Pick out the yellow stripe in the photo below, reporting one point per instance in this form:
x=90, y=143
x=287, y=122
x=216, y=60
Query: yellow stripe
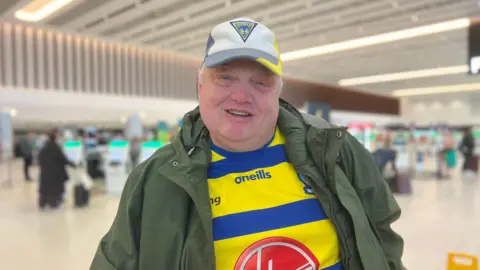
x=319, y=237
x=277, y=69
x=216, y=157
x=284, y=187
x=277, y=139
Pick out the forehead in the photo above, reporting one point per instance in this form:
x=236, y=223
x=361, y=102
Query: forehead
x=244, y=65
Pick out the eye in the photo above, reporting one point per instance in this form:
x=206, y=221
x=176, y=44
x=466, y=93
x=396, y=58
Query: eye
x=224, y=79
x=261, y=85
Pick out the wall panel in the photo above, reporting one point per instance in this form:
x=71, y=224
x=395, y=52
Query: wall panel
x=42, y=59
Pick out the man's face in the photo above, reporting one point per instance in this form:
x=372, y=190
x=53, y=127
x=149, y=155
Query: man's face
x=239, y=101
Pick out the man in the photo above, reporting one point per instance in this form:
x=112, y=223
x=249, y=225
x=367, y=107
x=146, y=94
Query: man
x=26, y=148
x=248, y=183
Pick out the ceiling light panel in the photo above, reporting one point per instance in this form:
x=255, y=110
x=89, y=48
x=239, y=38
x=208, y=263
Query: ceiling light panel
x=407, y=75
x=378, y=39
x=38, y=10
x=437, y=90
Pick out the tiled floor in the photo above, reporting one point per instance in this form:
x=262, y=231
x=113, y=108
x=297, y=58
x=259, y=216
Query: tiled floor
x=441, y=217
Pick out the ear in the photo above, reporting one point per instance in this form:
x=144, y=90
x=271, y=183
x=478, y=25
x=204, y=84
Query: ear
x=199, y=83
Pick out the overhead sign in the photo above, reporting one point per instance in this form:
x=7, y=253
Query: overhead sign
x=474, y=46
x=319, y=109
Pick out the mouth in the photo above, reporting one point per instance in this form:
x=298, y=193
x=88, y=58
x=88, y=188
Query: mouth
x=238, y=113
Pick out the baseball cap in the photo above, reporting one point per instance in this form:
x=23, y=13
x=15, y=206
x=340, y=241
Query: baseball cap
x=243, y=38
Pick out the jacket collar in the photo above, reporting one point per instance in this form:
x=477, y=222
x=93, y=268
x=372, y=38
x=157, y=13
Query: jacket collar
x=192, y=143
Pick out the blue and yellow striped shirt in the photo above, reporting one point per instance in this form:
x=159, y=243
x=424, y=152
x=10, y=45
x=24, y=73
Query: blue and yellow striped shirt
x=265, y=216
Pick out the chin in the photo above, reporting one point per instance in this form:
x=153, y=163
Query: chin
x=235, y=134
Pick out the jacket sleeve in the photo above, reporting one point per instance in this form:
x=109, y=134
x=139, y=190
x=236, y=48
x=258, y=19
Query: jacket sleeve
x=119, y=248
x=377, y=198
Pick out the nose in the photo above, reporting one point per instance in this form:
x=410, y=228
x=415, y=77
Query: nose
x=241, y=94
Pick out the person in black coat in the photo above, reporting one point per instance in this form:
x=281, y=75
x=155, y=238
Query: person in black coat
x=53, y=173
x=467, y=147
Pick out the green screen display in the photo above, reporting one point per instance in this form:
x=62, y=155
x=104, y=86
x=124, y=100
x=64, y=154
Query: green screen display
x=118, y=144
x=72, y=144
x=152, y=144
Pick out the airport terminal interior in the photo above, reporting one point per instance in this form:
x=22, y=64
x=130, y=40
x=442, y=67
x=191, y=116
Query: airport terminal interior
x=113, y=79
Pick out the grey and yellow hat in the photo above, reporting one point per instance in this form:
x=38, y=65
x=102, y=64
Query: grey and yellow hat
x=243, y=38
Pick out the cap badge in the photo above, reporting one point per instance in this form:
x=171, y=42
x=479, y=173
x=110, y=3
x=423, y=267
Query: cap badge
x=244, y=28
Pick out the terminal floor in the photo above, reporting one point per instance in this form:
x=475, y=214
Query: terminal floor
x=440, y=217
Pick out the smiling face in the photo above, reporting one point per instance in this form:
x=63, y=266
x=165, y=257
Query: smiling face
x=239, y=104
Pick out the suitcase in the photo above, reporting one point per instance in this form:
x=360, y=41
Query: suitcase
x=81, y=195
x=473, y=164
x=403, y=183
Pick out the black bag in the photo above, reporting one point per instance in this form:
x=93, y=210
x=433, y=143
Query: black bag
x=82, y=195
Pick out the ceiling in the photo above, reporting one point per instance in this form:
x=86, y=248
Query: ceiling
x=182, y=26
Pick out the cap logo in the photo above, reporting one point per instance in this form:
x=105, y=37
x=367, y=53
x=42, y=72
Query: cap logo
x=244, y=28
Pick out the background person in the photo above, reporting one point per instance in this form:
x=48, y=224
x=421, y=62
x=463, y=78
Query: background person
x=53, y=173
x=26, y=150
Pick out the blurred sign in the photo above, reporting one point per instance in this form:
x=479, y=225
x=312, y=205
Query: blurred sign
x=6, y=135
x=162, y=125
x=474, y=46
x=319, y=109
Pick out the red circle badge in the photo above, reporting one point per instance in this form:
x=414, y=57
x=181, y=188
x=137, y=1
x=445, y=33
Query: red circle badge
x=277, y=253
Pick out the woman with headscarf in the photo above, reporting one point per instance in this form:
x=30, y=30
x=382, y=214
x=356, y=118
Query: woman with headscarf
x=53, y=173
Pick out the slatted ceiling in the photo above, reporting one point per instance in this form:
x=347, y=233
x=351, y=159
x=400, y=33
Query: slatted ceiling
x=291, y=7
x=208, y=20
x=139, y=20
x=206, y=10
x=168, y=17
x=6, y=5
x=141, y=14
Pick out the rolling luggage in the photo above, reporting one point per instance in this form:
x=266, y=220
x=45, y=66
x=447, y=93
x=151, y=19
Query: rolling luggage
x=81, y=195
x=472, y=164
x=81, y=188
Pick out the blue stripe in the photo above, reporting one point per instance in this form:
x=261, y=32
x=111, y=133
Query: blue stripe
x=242, y=162
x=337, y=266
x=227, y=154
x=287, y=215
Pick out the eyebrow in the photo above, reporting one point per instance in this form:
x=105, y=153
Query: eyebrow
x=221, y=68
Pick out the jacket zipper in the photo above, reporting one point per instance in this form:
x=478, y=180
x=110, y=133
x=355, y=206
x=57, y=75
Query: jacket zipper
x=340, y=232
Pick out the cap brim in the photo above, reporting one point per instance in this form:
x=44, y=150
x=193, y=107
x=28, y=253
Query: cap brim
x=226, y=56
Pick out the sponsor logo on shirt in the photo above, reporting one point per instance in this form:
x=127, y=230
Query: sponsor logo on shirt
x=258, y=175
x=277, y=253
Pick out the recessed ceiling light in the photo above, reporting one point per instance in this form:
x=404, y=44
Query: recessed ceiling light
x=377, y=39
x=407, y=75
x=38, y=10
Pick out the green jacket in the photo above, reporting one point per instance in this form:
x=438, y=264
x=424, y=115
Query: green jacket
x=164, y=217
